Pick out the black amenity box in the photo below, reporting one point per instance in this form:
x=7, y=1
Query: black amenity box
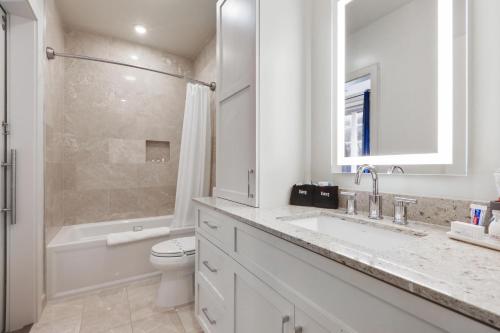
x=326, y=197
x=302, y=195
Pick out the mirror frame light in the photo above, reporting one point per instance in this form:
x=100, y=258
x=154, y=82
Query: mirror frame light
x=444, y=154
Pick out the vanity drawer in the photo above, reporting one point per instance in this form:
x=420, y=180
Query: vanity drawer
x=209, y=310
x=212, y=265
x=217, y=226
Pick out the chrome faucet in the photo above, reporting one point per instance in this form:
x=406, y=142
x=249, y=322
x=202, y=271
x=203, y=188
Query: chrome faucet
x=374, y=199
x=392, y=170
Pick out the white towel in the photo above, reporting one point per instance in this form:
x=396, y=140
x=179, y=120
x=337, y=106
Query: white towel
x=134, y=236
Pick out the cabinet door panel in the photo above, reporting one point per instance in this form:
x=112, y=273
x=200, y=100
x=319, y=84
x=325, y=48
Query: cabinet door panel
x=236, y=148
x=236, y=95
x=237, y=45
x=257, y=308
x=210, y=312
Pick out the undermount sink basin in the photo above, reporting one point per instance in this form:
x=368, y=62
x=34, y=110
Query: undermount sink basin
x=366, y=235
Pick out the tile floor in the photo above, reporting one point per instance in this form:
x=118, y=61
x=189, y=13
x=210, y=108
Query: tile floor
x=128, y=309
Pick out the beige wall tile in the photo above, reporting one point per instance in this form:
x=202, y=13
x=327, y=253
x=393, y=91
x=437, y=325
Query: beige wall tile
x=127, y=151
x=158, y=200
x=53, y=144
x=158, y=174
x=125, y=203
x=85, y=206
x=84, y=149
x=92, y=176
x=53, y=123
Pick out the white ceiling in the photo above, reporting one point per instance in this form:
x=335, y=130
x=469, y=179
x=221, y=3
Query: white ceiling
x=360, y=13
x=181, y=27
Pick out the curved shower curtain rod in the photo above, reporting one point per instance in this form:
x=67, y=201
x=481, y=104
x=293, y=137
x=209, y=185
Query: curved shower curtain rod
x=51, y=54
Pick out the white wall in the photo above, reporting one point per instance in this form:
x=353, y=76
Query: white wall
x=484, y=105
x=282, y=99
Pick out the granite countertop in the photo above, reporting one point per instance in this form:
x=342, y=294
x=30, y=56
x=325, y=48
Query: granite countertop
x=459, y=276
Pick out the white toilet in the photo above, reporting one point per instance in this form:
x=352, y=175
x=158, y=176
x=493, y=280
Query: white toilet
x=175, y=258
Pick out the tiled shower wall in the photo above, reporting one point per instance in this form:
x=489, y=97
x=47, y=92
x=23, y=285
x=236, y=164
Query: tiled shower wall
x=109, y=113
x=205, y=70
x=98, y=118
x=53, y=124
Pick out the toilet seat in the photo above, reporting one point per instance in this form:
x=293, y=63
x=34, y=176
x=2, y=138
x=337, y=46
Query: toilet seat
x=174, y=248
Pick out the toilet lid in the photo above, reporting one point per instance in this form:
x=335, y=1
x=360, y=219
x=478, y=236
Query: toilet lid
x=176, y=247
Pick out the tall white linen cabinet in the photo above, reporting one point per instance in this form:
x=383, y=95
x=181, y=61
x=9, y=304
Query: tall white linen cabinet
x=261, y=100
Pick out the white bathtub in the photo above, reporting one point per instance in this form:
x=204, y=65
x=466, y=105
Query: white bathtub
x=79, y=261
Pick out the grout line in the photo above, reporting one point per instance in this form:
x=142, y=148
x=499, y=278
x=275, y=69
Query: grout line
x=84, y=303
x=129, y=309
x=176, y=311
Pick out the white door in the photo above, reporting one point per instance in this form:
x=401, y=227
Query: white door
x=4, y=157
x=236, y=113
x=258, y=308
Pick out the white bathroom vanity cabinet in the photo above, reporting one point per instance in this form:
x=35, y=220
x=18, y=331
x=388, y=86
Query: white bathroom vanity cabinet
x=248, y=280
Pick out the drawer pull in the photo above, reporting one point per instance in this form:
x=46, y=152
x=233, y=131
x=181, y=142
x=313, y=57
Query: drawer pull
x=210, y=320
x=284, y=320
x=210, y=268
x=210, y=225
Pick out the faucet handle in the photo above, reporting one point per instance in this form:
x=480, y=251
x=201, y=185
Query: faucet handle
x=404, y=201
x=351, y=208
x=401, y=209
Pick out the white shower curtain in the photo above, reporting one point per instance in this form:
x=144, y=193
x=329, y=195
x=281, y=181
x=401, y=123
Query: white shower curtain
x=194, y=165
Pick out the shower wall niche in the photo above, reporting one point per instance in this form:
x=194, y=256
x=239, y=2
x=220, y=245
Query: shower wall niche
x=157, y=151
x=115, y=118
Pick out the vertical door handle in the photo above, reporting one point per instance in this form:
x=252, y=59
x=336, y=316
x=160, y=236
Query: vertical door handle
x=284, y=320
x=250, y=173
x=13, y=186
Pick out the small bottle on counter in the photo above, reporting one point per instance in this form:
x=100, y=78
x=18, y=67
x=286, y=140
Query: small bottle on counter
x=494, y=227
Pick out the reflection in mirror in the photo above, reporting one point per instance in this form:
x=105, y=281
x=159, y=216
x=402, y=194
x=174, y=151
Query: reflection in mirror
x=403, y=101
x=392, y=43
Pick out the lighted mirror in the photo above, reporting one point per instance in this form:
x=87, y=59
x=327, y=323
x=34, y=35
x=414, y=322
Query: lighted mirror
x=400, y=85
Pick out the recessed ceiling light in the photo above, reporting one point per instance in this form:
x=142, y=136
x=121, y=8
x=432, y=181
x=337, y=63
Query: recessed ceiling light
x=141, y=30
x=129, y=78
x=123, y=100
x=134, y=57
